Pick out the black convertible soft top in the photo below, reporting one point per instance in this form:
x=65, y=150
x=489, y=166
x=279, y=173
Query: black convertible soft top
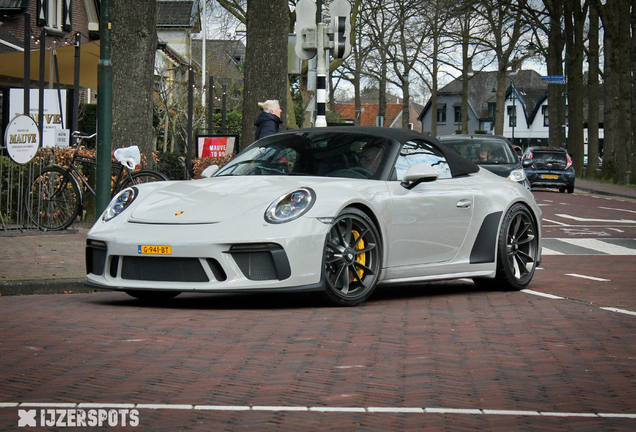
x=457, y=164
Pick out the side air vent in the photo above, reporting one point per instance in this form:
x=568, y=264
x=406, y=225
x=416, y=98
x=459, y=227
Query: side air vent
x=261, y=261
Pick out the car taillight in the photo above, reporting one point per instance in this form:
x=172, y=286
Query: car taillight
x=569, y=164
x=530, y=155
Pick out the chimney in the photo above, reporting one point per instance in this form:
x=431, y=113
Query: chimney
x=515, y=65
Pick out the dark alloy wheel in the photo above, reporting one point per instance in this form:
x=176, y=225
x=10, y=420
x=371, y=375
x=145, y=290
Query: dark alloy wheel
x=517, y=251
x=153, y=296
x=352, y=258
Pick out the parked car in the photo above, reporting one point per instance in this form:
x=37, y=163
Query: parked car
x=549, y=167
x=337, y=210
x=493, y=152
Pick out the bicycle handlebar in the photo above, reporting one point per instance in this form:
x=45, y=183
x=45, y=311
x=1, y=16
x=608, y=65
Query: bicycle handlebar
x=82, y=135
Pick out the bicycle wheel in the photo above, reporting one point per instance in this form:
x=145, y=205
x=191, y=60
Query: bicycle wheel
x=144, y=176
x=54, y=199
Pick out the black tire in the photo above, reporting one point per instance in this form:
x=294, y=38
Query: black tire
x=144, y=176
x=517, y=251
x=352, y=258
x=155, y=296
x=571, y=189
x=562, y=189
x=54, y=199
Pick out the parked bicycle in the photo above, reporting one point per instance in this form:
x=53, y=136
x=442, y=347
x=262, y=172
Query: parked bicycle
x=55, y=198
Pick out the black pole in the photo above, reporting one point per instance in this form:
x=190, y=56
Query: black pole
x=41, y=86
x=104, y=110
x=27, y=65
x=210, y=104
x=59, y=89
x=223, y=100
x=76, y=79
x=190, y=151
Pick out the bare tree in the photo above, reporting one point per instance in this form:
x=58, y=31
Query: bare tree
x=506, y=25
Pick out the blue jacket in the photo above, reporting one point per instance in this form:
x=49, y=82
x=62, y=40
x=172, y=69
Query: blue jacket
x=266, y=124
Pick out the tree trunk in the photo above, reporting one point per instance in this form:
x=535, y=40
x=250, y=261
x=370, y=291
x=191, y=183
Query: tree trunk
x=556, y=101
x=466, y=67
x=500, y=114
x=405, y=102
x=633, y=62
x=574, y=21
x=433, y=107
x=610, y=88
x=624, y=144
x=382, y=87
x=593, y=95
x=267, y=24
x=133, y=47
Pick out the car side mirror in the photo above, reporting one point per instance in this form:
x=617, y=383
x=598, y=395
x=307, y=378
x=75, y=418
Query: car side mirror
x=209, y=171
x=526, y=163
x=419, y=173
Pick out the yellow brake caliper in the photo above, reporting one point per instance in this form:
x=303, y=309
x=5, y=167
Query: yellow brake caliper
x=361, y=257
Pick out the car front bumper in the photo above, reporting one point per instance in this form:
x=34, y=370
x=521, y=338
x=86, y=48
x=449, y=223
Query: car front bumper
x=207, y=258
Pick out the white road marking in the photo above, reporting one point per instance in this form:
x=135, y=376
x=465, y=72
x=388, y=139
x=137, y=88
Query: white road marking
x=105, y=405
x=587, y=277
x=600, y=246
x=580, y=219
x=511, y=412
x=350, y=367
x=337, y=409
x=623, y=311
x=222, y=408
x=617, y=230
x=546, y=251
x=282, y=408
x=555, y=222
x=396, y=410
x=623, y=210
x=164, y=406
x=537, y=293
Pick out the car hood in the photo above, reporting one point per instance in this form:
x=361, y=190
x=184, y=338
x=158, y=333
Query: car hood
x=216, y=199
x=502, y=170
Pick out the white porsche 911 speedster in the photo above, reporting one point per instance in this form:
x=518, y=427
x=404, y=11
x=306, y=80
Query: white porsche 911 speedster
x=337, y=209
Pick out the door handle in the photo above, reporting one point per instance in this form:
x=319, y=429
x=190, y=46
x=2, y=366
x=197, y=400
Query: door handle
x=464, y=203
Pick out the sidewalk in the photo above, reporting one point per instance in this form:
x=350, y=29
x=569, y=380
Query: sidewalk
x=47, y=263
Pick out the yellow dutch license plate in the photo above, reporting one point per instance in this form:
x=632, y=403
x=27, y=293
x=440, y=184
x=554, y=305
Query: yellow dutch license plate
x=155, y=250
x=550, y=176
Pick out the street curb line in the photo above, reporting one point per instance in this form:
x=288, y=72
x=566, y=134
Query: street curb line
x=52, y=286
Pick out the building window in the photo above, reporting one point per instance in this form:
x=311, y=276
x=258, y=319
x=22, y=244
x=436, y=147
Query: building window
x=441, y=113
x=512, y=116
x=54, y=16
x=546, y=119
x=492, y=106
x=458, y=114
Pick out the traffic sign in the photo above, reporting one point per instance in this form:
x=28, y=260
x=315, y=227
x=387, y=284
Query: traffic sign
x=554, y=79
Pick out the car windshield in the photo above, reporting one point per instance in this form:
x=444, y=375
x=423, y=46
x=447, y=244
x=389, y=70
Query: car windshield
x=313, y=154
x=483, y=152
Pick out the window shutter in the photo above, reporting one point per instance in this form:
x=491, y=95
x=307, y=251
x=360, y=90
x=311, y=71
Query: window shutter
x=42, y=12
x=67, y=15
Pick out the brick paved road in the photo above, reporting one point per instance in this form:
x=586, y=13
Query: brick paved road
x=443, y=345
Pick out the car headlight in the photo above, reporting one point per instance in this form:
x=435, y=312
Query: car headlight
x=120, y=203
x=517, y=175
x=290, y=206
